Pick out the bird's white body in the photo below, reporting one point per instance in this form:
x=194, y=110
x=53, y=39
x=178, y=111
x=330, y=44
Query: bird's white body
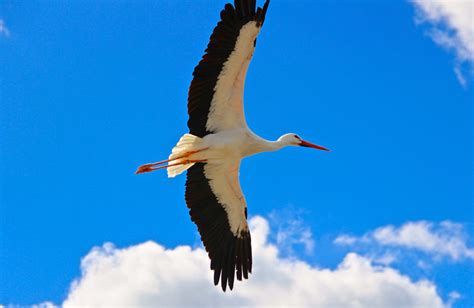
x=222, y=153
x=228, y=145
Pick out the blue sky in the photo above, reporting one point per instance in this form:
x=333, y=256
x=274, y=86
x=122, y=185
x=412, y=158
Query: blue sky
x=91, y=90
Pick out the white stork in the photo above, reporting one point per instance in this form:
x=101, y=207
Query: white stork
x=218, y=139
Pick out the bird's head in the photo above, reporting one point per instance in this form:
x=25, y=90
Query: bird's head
x=295, y=140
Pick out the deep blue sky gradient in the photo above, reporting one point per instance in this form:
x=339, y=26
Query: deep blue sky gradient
x=90, y=90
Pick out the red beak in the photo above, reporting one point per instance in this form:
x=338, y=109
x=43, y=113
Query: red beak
x=312, y=145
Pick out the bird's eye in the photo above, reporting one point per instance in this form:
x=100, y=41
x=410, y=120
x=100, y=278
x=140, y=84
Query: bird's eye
x=297, y=137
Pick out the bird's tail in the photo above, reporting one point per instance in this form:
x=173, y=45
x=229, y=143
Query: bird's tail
x=182, y=154
x=185, y=154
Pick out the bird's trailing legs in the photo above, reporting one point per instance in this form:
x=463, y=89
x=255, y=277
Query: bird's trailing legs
x=156, y=166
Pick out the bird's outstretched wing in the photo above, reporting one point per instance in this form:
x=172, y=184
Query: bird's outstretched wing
x=218, y=208
x=216, y=91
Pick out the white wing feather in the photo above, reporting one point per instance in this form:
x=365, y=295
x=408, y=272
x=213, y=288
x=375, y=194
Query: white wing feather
x=226, y=111
x=224, y=182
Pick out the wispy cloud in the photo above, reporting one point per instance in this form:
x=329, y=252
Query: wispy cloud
x=40, y=305
x=151, y=275
x=3, y=29
x=451, y=27
x=445, y=239
x=44, y=305
x=291, y=231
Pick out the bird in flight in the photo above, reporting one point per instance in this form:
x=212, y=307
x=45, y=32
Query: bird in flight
x=217, y=141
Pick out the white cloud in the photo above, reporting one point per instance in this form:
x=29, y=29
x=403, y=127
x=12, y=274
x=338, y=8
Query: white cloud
x=452, y=28
x=445, y=239
x=44, y=305
x=3, y=29
x=459, y=75
x=346, y=239
x=40, y=305
x=151, y=275
x=452, y=298
x=291, y=231
x=384, y=259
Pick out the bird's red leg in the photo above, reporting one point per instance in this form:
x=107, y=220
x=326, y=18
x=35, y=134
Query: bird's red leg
x=185, y=162
x=150, y=167
x=175, y=158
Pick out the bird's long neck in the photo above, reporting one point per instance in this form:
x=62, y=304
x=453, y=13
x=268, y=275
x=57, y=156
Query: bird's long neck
x=268, y=146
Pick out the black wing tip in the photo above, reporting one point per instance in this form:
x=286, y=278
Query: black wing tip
x=235, y=262
x=261, y=13
x=264, y=11
x=247, y=10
